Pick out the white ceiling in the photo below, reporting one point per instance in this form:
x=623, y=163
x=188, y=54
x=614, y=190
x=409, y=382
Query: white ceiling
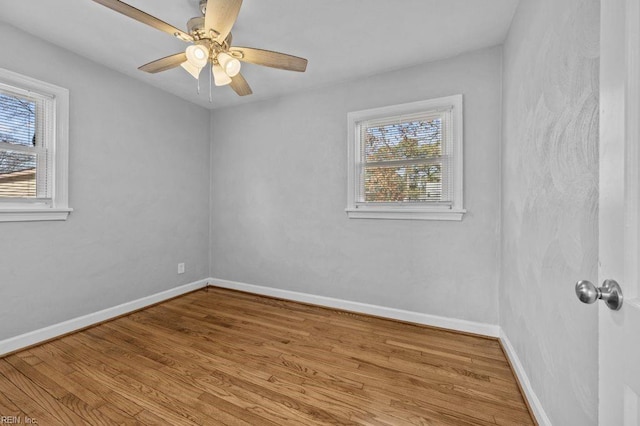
x=342, y=39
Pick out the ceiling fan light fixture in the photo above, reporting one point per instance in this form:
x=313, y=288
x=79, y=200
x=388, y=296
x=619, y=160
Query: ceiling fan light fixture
x=197, y=55
x=230, y=64
x=191, y=69
x=219, y=76
x=211, y=42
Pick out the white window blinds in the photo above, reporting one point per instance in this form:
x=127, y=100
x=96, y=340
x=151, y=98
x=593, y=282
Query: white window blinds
x=26, y=131
x=406, y=159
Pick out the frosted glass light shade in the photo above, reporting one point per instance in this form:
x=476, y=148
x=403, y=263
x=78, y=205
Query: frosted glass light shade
x=191, y=69
x=219, y=76
x=197, y=55
x=230, y=65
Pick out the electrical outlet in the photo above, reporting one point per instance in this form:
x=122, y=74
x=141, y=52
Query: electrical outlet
x=181, y=268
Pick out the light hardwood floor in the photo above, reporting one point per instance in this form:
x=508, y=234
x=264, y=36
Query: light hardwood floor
x=224, y=357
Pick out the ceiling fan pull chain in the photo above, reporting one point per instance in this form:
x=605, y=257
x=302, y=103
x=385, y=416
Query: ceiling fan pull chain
x=210, y=82
x=210, y=41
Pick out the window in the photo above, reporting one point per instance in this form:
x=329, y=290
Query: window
x=34, y=119
x=405, y=161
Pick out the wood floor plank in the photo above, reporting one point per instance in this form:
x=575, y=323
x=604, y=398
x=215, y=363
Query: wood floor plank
x=254, y=369
x=291, y=384
x=57, y=359
x=70, y=385
x=237, y=385
x=154, y=375
x=33, y=400
x=8, y=408
x=64, y=395
x=13, y=396
x=221, y=357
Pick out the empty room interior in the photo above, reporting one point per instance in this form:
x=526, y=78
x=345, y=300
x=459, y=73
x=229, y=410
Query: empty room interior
x=325, y=212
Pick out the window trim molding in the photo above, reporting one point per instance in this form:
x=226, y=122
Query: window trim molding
x=58, y=208
x=455, y=212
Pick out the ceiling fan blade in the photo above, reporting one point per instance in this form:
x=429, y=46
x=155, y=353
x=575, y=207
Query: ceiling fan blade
x=271, y=59
x=220, y=17
x=145, y=18
x=164, y=64
x=240, y=85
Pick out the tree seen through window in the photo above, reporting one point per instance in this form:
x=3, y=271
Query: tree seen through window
x=403, y=162
x=17, y=137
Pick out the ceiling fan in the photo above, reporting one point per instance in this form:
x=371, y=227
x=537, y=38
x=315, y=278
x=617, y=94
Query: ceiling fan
x=210, y=38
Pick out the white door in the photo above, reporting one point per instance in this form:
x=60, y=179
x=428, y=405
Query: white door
x=619, y=331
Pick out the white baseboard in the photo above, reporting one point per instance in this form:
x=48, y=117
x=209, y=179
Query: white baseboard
x=532, y=398
x=38, y=336
x=380, y=311
x=414, y=317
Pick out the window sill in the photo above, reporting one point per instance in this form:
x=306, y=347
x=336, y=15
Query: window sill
x=31, y=215
x=405, y=214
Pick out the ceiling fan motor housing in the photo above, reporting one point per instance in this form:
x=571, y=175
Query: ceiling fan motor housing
x=210, y=35
x=196, y=27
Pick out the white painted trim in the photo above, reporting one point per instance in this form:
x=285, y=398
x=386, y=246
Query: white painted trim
x=532, y=398
x=406, y=214
x=364, y=308
x=484, y=329
x=37, y=336
x=58, y=144
x=359, y=210
x=34, y=337
x=31, y=215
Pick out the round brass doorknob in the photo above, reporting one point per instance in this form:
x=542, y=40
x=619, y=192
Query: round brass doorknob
x=610, y=293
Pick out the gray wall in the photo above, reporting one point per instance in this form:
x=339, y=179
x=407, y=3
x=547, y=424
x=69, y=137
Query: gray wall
x=279, y=182
x=139, y=184
x=140, y=175
x=550, y=194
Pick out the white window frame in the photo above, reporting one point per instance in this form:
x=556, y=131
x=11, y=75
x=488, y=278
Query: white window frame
x=357, y=209
x=56, y=205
